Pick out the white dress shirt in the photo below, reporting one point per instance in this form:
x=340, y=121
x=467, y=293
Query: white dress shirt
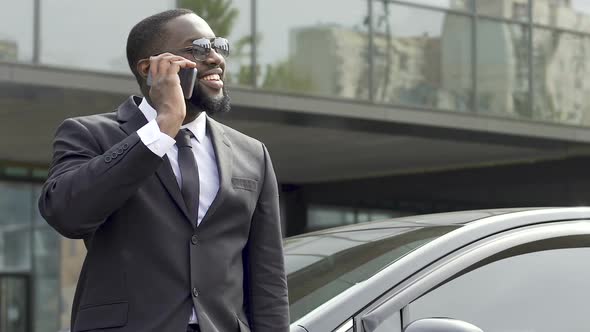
x=160, y=144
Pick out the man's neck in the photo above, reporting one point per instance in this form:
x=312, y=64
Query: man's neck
x=191, y=112
x=191, y=115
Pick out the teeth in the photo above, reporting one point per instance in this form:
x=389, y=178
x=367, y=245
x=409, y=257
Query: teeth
x=213, y=77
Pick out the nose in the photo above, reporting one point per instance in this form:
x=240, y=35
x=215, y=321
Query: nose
x=214, y=58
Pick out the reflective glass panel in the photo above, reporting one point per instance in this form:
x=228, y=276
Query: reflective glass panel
x=321, y=51
x=15, y=203
x=72, y=256
x=37, y=218
x=503, y=69
x=46, y=279
x=509, y=9
x=16, y=30
x=15, y=247
x=92, y=34
x=320, y=217
x=15, y=225
x=561, y=68
x=422, y=58
x=14, y=306
x=450, y=4
x=567, y=14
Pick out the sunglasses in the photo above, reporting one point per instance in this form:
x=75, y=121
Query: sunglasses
x=203, y=46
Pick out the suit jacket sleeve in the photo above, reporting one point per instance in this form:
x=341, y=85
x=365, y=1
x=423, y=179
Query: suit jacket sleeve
x=268, y=307
x=86, y=185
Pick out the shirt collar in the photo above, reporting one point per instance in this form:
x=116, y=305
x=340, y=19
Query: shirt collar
x=197, y=126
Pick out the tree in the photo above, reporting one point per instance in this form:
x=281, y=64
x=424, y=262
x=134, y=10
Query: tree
x=220, y=14
x=283, y=76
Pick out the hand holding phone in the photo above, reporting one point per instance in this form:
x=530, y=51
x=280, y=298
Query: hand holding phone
x=188, y=78
x=167, y=93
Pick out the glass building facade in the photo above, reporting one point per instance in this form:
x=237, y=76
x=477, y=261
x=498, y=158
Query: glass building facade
x=522, y=59
x=30, y=275
x=515, y=58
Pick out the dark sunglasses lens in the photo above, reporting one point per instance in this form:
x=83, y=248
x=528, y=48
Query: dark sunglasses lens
x=221, y=46
x=201, y=48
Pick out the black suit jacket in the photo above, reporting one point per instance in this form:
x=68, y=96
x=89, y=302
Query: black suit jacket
x=146, y=264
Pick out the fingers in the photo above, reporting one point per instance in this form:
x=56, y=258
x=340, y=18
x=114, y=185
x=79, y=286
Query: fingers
x=168, y=64
x=165, y=90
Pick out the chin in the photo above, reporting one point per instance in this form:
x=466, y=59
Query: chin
x=216, y=95
x=212, y=104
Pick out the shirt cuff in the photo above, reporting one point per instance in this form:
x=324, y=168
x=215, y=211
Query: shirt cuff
x=155, y=140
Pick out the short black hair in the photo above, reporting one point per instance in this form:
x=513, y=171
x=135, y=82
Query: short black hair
x=144, y=37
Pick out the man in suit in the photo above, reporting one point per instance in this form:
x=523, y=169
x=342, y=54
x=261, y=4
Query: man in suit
x=179, y=213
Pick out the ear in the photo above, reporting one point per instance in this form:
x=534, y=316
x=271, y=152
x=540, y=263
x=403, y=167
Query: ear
x=143, y=68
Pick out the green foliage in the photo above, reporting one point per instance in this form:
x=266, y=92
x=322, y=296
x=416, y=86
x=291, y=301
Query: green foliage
x=242, y=49
x=284, y=76
x=245, y=76
x=220, y=14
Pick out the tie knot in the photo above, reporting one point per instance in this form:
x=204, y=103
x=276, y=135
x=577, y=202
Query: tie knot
x=183, y=138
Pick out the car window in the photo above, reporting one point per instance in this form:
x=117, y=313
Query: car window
x=389, y=323
x=321, y=267
x=541, y=291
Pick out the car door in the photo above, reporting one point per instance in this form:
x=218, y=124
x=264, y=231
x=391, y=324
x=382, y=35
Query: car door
x=530, y=279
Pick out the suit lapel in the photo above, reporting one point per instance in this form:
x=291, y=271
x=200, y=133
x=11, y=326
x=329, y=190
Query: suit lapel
x=168, y=179
x=132, y=119
x=224, y=155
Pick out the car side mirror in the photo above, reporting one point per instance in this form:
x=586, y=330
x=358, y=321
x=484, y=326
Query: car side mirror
x=441, y=325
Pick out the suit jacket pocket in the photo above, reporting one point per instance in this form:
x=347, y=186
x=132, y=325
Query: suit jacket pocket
x=101, y=316
x=243, y=183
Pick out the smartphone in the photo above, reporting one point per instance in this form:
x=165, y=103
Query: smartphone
x=188, y=78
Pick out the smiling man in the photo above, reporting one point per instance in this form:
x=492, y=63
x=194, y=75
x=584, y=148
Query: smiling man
x=179, y=213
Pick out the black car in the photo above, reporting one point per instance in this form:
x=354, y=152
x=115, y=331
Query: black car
x=502, y=270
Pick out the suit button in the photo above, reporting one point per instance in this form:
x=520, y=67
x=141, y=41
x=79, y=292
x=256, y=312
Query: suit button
x=114, y=155
x=125, y=146
x=120, y=151
x=195, y=292
x=194, y=240
x=107, y=159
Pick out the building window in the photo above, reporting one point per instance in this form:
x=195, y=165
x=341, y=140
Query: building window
x=520, y=11
x=321, y=217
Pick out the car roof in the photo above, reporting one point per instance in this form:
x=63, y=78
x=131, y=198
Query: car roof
x=425, y=220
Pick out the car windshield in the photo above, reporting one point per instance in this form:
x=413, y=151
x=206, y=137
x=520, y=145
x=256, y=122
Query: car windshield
x=322, y=265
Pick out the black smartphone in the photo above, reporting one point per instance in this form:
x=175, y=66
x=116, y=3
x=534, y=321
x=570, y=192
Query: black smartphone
x=188, y=78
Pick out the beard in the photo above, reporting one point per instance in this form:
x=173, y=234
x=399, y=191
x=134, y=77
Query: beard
x=212, y=105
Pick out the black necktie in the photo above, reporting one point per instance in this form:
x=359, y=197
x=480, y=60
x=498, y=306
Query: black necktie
x=189, y=173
